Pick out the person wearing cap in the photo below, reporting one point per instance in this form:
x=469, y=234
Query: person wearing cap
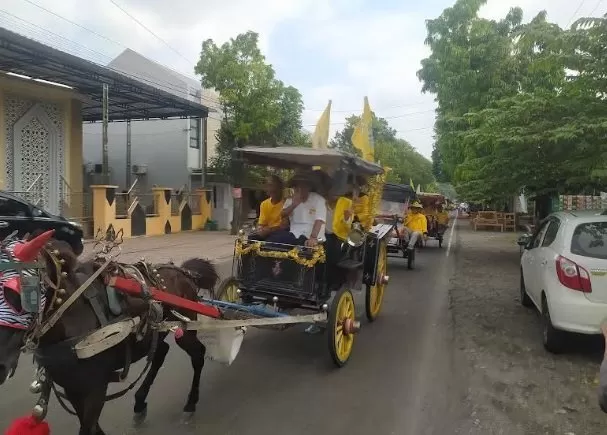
x=305, y=214
x=416, y=224
x=270, y=209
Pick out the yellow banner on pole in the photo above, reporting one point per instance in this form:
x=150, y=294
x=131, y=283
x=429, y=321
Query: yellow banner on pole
x=320, y=138
x=362, y=137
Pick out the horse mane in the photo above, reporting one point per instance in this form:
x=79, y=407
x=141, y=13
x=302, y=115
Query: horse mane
x=203, y=271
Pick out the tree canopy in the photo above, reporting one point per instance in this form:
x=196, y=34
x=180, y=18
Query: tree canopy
x=404, y=160
x=257, y=107
x=519, y=104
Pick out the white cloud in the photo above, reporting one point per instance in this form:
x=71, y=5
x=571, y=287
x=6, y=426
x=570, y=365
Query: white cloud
x=380, y=50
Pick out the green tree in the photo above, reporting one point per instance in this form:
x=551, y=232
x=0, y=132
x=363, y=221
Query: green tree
x=469, y=66
x=519, y=104
x=257, y=107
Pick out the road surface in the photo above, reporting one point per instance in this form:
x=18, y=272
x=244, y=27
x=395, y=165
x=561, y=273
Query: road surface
x=403, y=377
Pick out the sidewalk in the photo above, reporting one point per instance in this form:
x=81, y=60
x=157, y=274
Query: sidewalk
x=217, y=246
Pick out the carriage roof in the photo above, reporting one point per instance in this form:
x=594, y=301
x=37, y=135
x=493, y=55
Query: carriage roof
x=400, y=193
x=297, y=157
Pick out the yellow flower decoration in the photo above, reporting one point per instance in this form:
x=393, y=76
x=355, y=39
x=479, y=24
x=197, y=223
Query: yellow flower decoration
x=317, y=257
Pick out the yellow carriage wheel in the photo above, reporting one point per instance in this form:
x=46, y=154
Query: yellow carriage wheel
x=342, y=326
x=228, y=291
x=374, y=295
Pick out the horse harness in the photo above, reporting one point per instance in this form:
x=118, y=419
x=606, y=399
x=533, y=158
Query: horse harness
x=115, y=327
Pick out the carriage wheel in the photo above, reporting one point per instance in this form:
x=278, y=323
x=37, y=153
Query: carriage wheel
x=228, y=291
x=374, y=295
x=342, y=326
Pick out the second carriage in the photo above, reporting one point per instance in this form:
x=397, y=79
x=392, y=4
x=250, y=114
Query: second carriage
x=289, y=278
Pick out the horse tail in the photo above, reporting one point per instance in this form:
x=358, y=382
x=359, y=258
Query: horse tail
x=205, y=273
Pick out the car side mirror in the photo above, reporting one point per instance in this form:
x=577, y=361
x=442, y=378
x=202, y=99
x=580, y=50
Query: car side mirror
x=523, y=241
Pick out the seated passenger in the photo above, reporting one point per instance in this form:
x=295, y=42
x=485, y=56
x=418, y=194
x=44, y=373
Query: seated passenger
x=442, y=217
x=305, y=214
x=270, y=209
x=339, y=223
x=416, y=224
x=361, y=206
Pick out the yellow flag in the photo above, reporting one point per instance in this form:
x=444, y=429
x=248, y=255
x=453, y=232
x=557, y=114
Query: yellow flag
x=362, y=138
x=320, y=139
x=411, y=183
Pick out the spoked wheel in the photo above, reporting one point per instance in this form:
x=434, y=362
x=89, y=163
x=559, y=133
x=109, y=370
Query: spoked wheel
x=228, y=290
x=374, y=296
x=342, y=326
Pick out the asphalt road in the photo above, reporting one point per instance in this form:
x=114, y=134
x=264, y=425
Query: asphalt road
x=403, y=378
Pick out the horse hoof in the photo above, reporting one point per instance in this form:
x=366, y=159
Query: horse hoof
x=139, y=417
x=186, y=417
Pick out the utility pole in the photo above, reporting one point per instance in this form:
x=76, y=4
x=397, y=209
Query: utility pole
x=237, y=177
x=104, y=149
x=128, y=154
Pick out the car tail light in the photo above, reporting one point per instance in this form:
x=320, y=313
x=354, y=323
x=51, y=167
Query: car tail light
x=572, y=275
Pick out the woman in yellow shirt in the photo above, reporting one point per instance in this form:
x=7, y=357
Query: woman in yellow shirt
x=270, y=209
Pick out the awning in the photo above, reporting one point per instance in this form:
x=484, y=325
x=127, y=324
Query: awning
x=128, y=98
x=293, y=157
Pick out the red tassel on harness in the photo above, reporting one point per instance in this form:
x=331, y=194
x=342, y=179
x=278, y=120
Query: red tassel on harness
x=28, y=426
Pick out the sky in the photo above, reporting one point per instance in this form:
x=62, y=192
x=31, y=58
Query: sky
x=339, y=50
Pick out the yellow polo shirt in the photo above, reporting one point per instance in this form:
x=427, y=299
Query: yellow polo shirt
x=416, y=222
x=269, y=214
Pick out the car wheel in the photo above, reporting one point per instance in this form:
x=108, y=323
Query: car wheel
x=525, y=299
x=553, y=338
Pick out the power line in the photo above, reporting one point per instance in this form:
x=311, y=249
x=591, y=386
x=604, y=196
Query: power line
x=358, y=109
x=118, y=43
x=166, y=85
x=38, y=30
x=575, y=13
x=150, y=31
x=596, y=7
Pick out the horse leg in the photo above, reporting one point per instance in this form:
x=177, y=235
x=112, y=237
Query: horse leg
x=141, y=406
x=196, y=350
x=88, y=408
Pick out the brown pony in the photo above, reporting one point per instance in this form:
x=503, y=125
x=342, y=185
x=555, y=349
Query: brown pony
x=85, y=381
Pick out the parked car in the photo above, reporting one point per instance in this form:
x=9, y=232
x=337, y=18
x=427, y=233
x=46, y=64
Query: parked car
x=18, y=214
x=564, y=274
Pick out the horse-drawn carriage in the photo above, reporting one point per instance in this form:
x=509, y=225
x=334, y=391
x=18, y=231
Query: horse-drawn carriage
x=395, y=198
x=288, y=277
x=437, y=218
x=86, y=322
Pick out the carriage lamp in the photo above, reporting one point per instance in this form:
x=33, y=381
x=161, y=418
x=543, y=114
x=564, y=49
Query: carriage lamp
x=324, y=307
x=238, y=291
x=385, y=279
x=356, y=236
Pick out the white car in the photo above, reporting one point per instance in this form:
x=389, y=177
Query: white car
x=564, y=274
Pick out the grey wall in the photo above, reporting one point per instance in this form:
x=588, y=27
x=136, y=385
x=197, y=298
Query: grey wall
x=162, y=145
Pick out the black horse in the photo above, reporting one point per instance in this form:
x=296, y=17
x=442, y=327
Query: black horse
x=85, y=381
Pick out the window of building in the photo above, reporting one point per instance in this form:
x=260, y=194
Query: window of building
x=195, y=133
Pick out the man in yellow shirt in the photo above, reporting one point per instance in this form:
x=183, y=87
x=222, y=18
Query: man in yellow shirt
x=416, y=225
x=442, y=218
x=270, y=209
